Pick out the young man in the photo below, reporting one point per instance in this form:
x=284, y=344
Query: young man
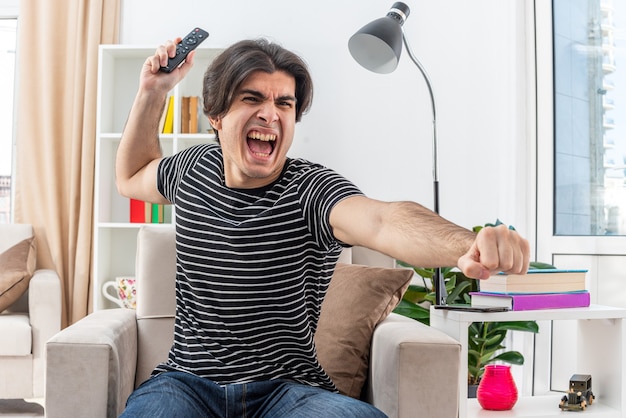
x=257, y=239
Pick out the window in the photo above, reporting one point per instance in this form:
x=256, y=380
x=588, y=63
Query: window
x=8, y=37
x=589, y=117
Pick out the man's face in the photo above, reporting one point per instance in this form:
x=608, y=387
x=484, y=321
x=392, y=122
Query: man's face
x=257, y=131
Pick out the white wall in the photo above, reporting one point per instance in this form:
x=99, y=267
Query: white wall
x=9, y=8
x=375, y=129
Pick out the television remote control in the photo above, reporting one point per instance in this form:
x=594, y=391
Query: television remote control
x=184, y=47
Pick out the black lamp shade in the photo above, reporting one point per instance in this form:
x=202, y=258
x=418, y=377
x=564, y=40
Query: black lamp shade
x=377, y=46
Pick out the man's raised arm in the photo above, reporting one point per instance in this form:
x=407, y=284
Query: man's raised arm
x=139, y=152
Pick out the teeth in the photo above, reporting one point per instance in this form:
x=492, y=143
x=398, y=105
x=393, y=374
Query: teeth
x=262, y=137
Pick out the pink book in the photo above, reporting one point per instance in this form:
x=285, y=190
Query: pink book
x=531, y=301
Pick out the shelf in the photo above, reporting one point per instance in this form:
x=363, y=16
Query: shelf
x=115, y=237
x=591, y=312
x=541, y=407
x=599, y=344
x=120, y=225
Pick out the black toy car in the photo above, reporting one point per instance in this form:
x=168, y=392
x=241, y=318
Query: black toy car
x=579, y=394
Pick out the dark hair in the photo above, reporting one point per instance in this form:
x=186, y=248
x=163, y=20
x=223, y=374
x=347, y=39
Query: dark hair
x=231, y=68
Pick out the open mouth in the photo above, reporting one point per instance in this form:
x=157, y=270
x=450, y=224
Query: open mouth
x=261, y=145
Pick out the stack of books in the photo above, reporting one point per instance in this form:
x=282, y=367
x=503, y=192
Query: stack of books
x=146, y=212
x=537, y=289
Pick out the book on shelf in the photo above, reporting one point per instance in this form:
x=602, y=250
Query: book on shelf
x=532, y=301
x=189, y=115
x=184, y=115
x=137, y=211
x=163, y=115
x=536, y=281
x=168, y=123
x=167, y=214
x=193, y=114
x=147, y=212
x=157, y=213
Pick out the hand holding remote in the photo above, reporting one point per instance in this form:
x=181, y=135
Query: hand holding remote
x=184, y=47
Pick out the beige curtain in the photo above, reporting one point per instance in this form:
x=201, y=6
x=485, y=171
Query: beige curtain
x=56, y=125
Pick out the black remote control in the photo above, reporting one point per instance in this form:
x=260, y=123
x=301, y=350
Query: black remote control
x=184, y=47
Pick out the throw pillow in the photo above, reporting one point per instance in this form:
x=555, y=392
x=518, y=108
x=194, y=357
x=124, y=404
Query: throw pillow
x=17, y=265
x=358, y=298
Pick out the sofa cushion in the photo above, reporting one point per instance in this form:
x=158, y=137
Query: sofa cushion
x=16, y=335
x=358, y=298
x=17, y=265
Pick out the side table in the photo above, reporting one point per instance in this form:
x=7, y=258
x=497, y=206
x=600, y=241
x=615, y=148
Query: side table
x=601, y=354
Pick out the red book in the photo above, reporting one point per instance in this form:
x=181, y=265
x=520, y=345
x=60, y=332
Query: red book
x=532, y=301
x=137, y=211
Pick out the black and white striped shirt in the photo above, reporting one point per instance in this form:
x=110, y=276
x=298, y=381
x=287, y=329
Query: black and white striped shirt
x=253, y=267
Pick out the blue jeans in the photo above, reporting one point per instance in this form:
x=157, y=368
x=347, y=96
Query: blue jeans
x=183, y=395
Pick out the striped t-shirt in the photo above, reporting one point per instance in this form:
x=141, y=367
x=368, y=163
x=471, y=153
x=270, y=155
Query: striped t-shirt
x=253, y=267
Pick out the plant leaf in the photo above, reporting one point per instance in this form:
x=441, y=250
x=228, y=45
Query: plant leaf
x=540, y=265
x=475, y=355
x=489, y=355
x=511, y=357
x=494, y=340
x=403, y=264
x=528, y=326
x=457, y=291
x=415, y=294
x=411, y=310
x=426, y=273
x=474, y=328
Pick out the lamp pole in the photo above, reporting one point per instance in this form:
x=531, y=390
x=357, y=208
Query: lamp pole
x=377, y=46
x=438, y=280
x=434, y=112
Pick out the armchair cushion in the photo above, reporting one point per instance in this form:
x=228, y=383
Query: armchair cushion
x=17, y=328
x=17, y=265
x=358, y=299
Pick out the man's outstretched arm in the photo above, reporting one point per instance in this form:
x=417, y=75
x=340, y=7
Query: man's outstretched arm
x=409, y=232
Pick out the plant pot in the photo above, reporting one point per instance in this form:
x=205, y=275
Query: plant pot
x=471, y=391
x=497, y=390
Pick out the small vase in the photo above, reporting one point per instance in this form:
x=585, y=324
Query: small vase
x=497, y=390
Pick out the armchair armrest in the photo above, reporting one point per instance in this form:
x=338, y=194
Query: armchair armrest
x=44, y=312
x=91, y=365
x=413, y=367
x=44, y=302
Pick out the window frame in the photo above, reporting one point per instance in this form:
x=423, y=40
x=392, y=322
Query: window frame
x=584, y=251
x=10, y=10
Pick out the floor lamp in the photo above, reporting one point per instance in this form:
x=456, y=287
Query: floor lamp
x=377, y=47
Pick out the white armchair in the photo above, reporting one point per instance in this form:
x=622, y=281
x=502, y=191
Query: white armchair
x=95, y=364
x=26, y=325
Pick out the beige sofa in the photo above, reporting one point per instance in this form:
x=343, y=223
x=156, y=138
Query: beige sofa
x=95, y=364
x=27, y=324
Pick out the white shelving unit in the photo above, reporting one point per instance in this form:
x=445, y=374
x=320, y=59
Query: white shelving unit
x=118, y=80
x=600, y=347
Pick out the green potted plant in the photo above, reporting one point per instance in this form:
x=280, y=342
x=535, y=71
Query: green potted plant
x=486, y=339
